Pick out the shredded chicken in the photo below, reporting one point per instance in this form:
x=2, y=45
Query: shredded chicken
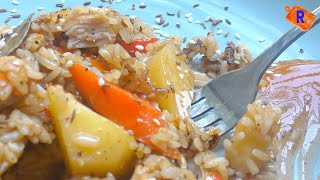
x=88, y=30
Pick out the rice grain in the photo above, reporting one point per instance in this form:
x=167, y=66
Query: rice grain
x=260, y=155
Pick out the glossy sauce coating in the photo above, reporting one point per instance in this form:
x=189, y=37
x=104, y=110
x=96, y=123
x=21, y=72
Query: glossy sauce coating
x=294, y=86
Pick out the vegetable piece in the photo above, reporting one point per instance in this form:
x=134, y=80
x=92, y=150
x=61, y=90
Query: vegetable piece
x=168, y=70
x=98, y=63
x=136, y=45
x=214, y=176
x=95, y=60
x=252, y=138
x=90, y=143
x=120, y=106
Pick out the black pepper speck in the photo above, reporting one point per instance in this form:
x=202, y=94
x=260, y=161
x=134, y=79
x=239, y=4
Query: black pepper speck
x=195, y=5
x=216, y=22
x=166, y=24
x=228, y=21
x=87, y=3
x=226, y=34
x=79, y=153
x=7, y=20
x=59, y=5
x=3, y=10
x=170, y=14
x=184, y=39
x=301, y=51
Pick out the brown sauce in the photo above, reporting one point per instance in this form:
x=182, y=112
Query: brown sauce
x=295, y=87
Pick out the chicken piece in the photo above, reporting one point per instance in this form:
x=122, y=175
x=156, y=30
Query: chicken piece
x=90, y=29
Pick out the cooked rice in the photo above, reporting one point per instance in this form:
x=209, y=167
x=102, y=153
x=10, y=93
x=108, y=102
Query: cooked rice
x=109, y=176
x=20, y=86
x=160, y=167
x=260, y=122
x=16, y=131
x=214, y=62
x=62, y=38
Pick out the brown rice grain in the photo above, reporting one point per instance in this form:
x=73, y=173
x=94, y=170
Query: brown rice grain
x=260, y=155
x=251, y=165
x=142, y=5
x=110, y=176
x=174, y=145
x=198, y=158
x=198, y=144
x=182, y=139
x=16, y=15
x=239, y=136
x=170, y=172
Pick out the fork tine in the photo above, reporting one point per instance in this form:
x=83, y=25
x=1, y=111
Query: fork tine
x=226, y=131
x=222, y=127
x=214, y=123
x=13, y=42
x=199, y=116
x=197, y=101
x=207, y=119
x=199, y=106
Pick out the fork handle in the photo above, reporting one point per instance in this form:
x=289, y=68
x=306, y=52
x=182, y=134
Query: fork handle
x=261, y=63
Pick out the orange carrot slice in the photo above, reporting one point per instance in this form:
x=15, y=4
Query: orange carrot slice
x=120, y=106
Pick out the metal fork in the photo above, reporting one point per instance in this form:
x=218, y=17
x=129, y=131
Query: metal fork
x=14, y=39
x=224, y=100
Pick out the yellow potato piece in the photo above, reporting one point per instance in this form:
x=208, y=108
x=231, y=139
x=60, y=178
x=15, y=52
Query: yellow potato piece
x=243, y=148
x=250, y=145
x=169, y=71
x=90, y=143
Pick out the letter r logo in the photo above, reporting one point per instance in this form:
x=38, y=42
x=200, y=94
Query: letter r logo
x=300, y=15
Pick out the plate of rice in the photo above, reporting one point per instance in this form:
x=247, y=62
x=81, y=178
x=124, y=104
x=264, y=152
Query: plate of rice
x=103, y=90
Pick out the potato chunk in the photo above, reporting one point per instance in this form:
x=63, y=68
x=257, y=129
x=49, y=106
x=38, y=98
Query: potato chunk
x=169, y=71
x=90, y=143
x=249, y=148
